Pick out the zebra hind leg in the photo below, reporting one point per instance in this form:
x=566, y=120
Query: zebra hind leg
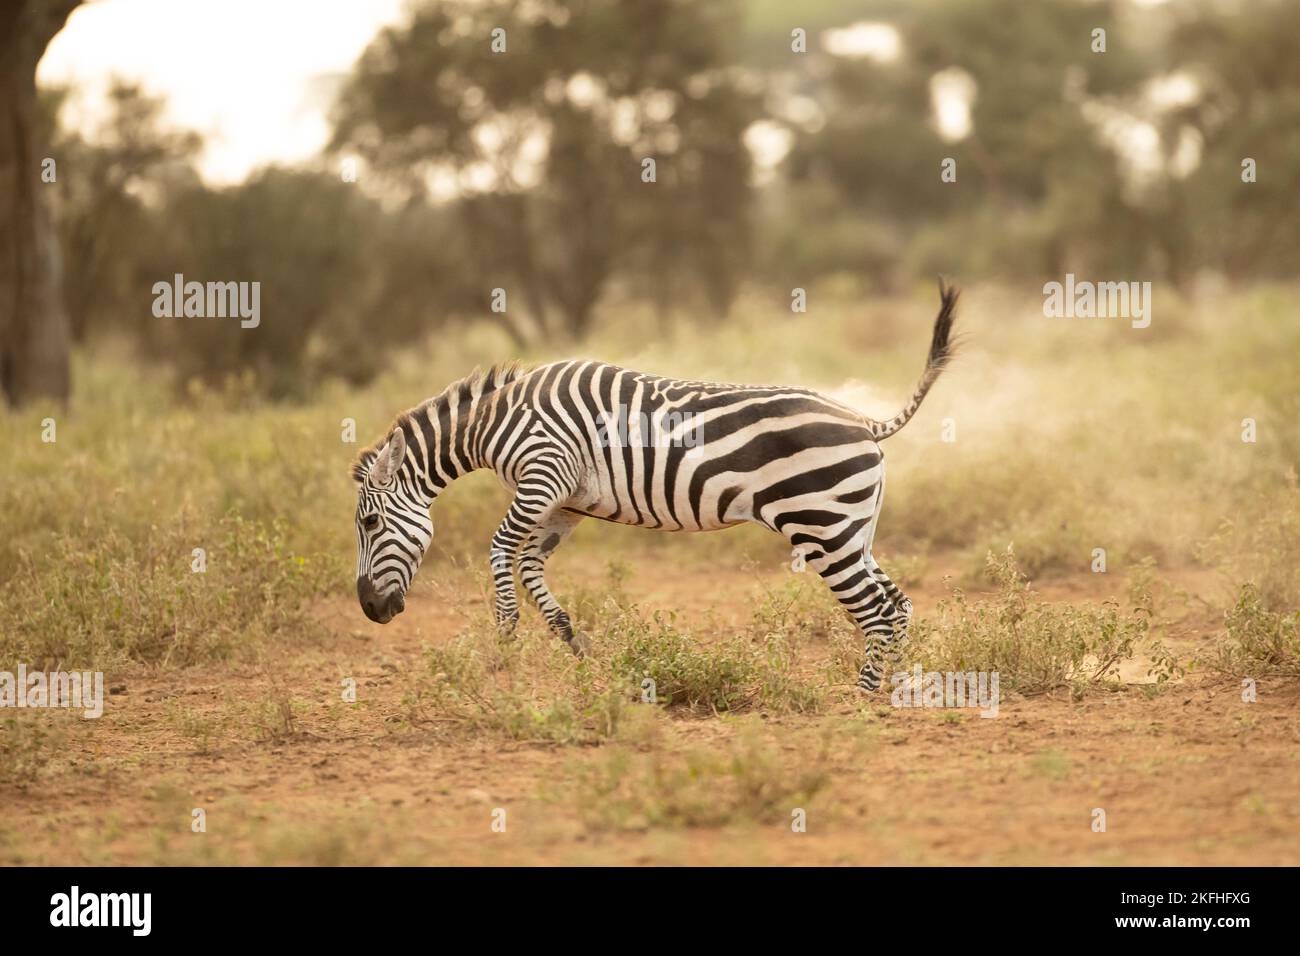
x=541, y=544
x=866, y=601
x=899, y=614
x=875, y=615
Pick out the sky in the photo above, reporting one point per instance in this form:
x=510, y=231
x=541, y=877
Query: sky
x=254, y=76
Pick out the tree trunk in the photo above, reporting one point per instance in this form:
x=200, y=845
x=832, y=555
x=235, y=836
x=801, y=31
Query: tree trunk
x=33, y=323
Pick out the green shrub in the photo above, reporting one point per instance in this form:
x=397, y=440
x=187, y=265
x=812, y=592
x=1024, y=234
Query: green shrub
x=683, y=670
x=1262, y=641
x=1035, y=646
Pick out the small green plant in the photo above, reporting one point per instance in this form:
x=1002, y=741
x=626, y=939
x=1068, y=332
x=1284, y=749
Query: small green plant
x=683, y=671
x=1034, y=645
x=1261, y=641
x=780, y=688
x=802, y=610
x=789, y=618
x=274, y=717
x=531, y=688
x=1263, y=548
x=197, y=727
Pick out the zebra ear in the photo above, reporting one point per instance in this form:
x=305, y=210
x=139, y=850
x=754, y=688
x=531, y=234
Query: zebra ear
x=389, y=458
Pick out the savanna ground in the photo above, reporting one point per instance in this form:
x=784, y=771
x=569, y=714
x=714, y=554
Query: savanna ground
x=1121, y=690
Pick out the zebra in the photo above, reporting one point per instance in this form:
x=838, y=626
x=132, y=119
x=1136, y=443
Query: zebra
x=788, y=459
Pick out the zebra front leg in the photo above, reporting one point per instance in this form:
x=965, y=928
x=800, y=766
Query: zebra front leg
x=542, y=486
x=541, y=544
x=505, y=606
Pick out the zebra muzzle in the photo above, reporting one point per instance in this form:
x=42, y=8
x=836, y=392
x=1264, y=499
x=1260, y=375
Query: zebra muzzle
x=378, y=607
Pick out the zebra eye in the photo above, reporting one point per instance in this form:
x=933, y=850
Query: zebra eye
x=370, y=522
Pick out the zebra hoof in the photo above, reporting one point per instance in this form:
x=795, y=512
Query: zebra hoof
x=580, y=645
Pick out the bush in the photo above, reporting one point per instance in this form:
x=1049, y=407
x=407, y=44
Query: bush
x=1035, y=646
x=1263, y=641
x=683, y=671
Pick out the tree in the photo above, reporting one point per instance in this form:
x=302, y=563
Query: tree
x=105, y=208
x=1249, y=108
x=1041, y=191
x=541, y=117
x=33, y=323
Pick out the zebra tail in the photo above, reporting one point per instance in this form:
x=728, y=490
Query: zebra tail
x=942, y=350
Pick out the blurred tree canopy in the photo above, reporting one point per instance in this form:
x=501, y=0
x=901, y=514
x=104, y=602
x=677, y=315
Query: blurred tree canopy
x=337, y=269
x=104, y=204
x=1246, y=64
x=544, y=131
x=517, y=160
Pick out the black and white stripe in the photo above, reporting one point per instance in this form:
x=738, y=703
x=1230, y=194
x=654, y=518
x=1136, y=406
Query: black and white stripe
x=800, y=464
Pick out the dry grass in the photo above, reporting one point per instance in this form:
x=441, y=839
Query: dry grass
x=1070, y=439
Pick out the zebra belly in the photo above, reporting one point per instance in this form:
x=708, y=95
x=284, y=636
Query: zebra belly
x=632, y=521
x=644, y=507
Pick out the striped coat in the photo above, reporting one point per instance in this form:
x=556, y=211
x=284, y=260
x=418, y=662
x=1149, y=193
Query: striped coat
x=578, y=439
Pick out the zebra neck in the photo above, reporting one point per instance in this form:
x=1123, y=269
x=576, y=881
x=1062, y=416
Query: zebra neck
x=442, y=451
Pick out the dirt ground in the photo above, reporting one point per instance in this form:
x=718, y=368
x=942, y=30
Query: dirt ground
x=1191, y=775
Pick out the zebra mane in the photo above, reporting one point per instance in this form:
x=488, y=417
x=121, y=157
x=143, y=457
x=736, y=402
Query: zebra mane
x=477, y=383
x=480, y=381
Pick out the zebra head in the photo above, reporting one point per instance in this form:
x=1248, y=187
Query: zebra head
x=394, y=528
